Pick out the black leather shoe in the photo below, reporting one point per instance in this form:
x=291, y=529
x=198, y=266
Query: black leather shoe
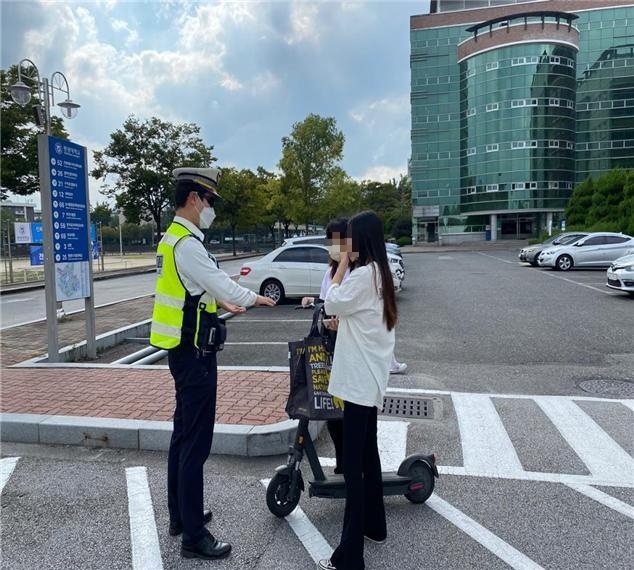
x=207, y=548
x=176, y=527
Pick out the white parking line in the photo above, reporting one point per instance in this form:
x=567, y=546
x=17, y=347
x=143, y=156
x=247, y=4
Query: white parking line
x=493, y=543
x=146, y=552
x=312, y=540
x=605, y=499
x=498, y=258
x=577, y=283
x=391, y=441
x=254, y=343
x=601, y=454
x=559, y=478
x=7, y=465
x=270, y=321
x=486, y=446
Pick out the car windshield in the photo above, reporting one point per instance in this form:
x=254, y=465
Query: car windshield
x=569, y=239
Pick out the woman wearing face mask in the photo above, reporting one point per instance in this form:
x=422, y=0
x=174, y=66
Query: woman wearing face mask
x=365, y=304
x=335, y=237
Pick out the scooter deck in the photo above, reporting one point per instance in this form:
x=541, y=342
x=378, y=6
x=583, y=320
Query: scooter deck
x=333, y=487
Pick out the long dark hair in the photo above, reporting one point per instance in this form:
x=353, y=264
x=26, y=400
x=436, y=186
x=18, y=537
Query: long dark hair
x=340, y=226
x=366, y=231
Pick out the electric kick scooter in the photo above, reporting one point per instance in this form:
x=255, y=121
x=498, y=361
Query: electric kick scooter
x=414, y=478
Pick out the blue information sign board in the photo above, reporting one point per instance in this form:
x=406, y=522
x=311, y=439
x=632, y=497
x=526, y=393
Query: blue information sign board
x=68, y=199
x=37, y=255
x=36, y=232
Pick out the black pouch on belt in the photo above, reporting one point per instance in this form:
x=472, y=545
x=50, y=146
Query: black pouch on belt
x=212, y=332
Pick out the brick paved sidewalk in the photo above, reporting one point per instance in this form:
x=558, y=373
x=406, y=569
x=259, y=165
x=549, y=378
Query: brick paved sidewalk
x=253, y=398
x=244, y=397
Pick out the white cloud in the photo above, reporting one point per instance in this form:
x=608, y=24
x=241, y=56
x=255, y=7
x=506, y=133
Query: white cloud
x=304, y=24
x=122, y=25
x=382, y=173
x=388, y=109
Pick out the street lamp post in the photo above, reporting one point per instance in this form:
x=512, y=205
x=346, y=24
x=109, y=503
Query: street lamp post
x=21, y=94
x=100, y=243
x=120, y=235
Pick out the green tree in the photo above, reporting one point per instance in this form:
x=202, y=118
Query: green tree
x=309, y=155
x=579, y=205
x=18, y=138
x=140, y=159
x=239, y=207
x=101, y=213
x=625, y=209
x=384, y=199
x=608, y=194
x=342, y=197
x=271, y=201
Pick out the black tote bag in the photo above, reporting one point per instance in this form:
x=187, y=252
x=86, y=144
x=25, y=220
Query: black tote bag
x=310, y=363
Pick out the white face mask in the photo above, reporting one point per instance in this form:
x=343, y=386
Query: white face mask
x=207, y=217
x=335, y=252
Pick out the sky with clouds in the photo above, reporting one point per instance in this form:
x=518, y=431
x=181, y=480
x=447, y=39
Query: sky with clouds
x=243, y=71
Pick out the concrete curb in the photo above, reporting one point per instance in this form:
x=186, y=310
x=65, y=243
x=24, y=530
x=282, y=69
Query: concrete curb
x=146, y=435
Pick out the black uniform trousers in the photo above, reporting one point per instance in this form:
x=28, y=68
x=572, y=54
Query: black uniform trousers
x=196, y=380
x=365, y=511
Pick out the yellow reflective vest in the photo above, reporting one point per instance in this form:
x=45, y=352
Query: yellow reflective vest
x=177, y=314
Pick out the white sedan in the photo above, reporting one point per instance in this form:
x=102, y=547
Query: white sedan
x=291, y=271
x=620, y=276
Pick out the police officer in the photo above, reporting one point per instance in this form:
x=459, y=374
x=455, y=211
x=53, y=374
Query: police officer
x=185, y=322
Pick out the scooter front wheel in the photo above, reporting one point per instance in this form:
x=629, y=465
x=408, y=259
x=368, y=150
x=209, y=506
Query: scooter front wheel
x=281, y=499
x=422, y=482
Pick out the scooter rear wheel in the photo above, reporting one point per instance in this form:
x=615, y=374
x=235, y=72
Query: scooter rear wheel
x=422, y=484
x=280, y=498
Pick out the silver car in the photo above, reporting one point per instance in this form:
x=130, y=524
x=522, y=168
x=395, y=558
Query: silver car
x=620, y=275
x=598, y=249
x=530, y=254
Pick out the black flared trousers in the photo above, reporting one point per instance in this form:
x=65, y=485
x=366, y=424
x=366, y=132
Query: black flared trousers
x=365, y=510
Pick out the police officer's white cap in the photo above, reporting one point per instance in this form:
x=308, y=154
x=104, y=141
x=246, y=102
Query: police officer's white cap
x=206, y=178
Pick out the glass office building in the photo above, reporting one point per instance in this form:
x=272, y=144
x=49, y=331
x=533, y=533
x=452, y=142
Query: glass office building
x=513, y=104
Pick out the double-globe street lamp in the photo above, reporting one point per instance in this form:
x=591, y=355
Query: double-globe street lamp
x=21, y=94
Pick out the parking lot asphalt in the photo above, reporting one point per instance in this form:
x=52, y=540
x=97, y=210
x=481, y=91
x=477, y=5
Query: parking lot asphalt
x=534, y=370
x=469, y=321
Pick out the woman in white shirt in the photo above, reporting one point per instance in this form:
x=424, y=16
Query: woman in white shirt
x=365, y=305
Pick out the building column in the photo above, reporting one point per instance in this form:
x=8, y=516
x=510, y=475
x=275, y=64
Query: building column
x=414, y=231
x=549, y=223
x=494, y=227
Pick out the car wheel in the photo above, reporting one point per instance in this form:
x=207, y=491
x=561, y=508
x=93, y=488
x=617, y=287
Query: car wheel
x=273, y=289
x=535, y=263
x=564, y=262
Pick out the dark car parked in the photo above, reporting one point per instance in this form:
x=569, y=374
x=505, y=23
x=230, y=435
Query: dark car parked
x=530, y=254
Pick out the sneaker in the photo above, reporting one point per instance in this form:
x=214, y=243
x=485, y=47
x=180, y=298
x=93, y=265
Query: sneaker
x=399, y=368
x=325, y=564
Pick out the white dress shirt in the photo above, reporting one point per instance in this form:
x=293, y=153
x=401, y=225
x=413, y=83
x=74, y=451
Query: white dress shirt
x=200, y=274
x=364, y=347
x=326, y=281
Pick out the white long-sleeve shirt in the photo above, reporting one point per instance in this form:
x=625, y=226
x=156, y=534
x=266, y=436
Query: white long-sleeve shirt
x=361, y=363
x=200, y=274
x=326, y=281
